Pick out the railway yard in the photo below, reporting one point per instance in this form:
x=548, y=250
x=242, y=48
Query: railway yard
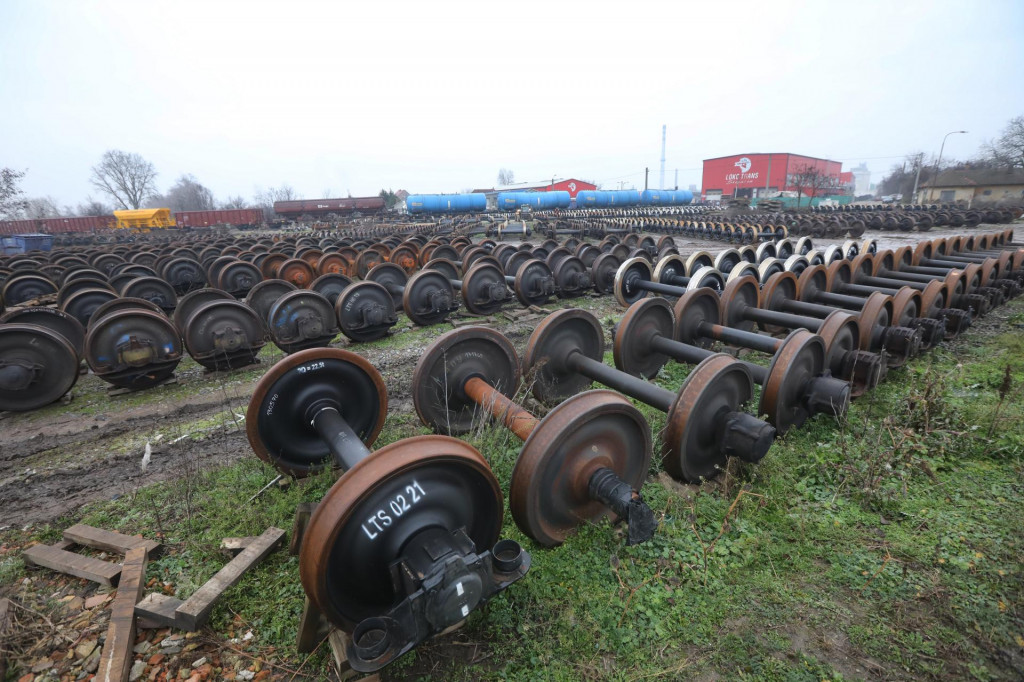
x=654, y=443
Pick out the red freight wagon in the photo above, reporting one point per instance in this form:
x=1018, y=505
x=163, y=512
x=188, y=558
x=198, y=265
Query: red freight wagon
x=19, y=226
x=322, y=207
x=237, y=217
x=81, y=224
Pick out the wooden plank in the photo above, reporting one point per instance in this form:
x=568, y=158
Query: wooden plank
x=235, y=545
x=196, y=610
x=107, y=540
x=312, y=628
x=117, y=656
x=338, y=641
x=302, y=513
x=78, y=565
x=158, y=610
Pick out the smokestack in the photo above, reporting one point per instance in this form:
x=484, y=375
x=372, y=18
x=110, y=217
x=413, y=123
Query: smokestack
x=661, y=178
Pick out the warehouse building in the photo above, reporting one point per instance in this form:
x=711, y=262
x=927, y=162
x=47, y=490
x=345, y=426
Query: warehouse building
x=760, y=175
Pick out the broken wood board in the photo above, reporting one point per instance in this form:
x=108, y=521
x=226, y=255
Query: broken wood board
x=196, y=609
x=107, y=540
x=157, y=610
x=192, y=613
x=117, y=657
x=232, y=546
x=78, y=565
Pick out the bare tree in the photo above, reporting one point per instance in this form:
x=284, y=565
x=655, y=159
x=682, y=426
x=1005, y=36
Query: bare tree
x=327, y=193
x=91, y=207
x=126, y=178
x=506, y=177
x=188, y=194
x=1008, y=148
x=43, y=207
x=11, y=203
x=811, y=181
x=235, y=202
x=265, y=198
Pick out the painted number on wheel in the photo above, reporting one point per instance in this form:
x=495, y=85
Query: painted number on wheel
x=397, y=507
x=311, y=367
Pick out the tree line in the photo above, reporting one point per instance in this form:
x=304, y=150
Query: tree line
x=1004, y=152
x=125, y=181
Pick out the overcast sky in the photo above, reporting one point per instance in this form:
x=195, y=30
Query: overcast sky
x=435, y=96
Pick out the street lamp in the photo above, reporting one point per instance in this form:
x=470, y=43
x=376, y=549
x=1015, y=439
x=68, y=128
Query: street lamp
x=941, y=149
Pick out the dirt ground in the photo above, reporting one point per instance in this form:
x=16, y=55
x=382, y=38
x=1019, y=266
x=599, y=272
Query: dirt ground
x=58, y=458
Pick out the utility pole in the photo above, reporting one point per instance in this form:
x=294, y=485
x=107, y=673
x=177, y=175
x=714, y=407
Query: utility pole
x=661, y=179
x=647, y=172
x=917, y=177
x=677, y=178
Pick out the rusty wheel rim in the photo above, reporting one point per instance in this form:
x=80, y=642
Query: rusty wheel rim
x=448, y=363
x=548, y=494
x=838, y=273
x=906, y=306
x=271, y=264
x=739, y=295
x=333, y=263
x=779, y=288
x=800, y=359
x=933, y=298
x=344, y=571
x=693, y=309
x=877, y=312
x=644, y=320
x=350, y=374
x=556, y=337
x=988, y=270
x=811, y=282
x=691, y=449
x=603, y=270
x=405, y=257
x=296, y=271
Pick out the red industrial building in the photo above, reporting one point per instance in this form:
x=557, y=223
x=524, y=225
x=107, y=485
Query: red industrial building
x=752, y=175
x=570, y=185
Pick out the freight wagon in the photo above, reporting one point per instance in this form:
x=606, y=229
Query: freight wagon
x=19, y=226
x=57, y=225
x=82, y=224
x=323, y=207
x=234, y=217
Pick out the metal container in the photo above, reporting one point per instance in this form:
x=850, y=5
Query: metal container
x=446, y=203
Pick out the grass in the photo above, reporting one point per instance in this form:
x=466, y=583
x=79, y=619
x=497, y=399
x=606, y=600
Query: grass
x=887, y=546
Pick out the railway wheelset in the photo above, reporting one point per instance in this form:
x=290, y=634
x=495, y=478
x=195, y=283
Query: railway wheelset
x=873, y=312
